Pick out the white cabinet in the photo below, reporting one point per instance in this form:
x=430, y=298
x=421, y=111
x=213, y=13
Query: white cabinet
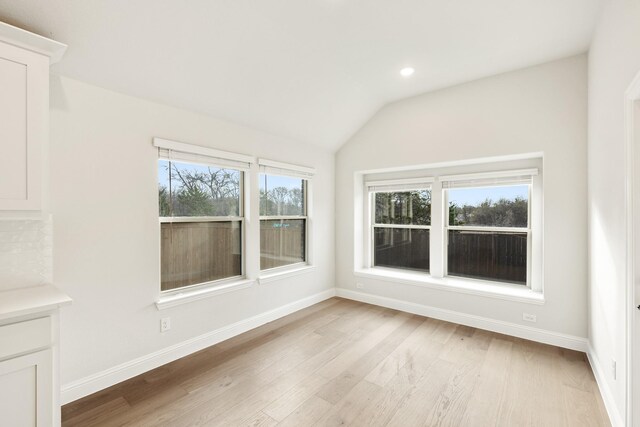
x=29, y=387
x=24, y=116
x=23, y=80
x=24, y=385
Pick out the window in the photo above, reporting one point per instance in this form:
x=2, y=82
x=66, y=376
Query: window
x=283, y=220
x=488, y=232
x=401, y=225
x=201, y=219
x=473, y=226
x=211, y=240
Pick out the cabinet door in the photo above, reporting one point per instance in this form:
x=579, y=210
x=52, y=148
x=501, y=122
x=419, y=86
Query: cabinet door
x=26, y=391
x=24, y=85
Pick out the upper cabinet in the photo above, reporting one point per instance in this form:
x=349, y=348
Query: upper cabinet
x=24, y=116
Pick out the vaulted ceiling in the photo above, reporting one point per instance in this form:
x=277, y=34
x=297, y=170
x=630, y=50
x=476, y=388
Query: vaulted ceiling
x=312, y=70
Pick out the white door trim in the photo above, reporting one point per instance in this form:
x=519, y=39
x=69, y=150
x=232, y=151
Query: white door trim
x=632, y=95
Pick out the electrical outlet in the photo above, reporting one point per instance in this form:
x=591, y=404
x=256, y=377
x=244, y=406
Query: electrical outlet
x=614, y=369
x=529, y=317
x=359, y=285
x=165, y=324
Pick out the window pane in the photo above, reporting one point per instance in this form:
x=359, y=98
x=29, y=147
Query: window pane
x=407, y=207
x=197, y=190
x=506, y=206
x=281, y=195
x=401, y=248
x=199, y=252
x=497, y=256
x=282, y=242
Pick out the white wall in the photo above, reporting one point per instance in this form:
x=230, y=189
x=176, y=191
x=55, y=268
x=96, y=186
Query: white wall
x=106, y=242
x=614, y=59
x=538, y=109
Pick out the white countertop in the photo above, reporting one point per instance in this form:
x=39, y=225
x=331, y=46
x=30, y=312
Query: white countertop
x=36, y=299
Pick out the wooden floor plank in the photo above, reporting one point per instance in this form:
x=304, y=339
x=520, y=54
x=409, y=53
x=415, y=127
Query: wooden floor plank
x=516, y=404
x=98, y=415
x=423, y=397
x=389, y=367
x=482, y=408
x=308, y=413
x=154, y=403
x=384, y=404
x=288, y=402
x=258, y=389
x=351, y=355
x=348, y=363
x=351, y=405
x=578, y=408
x=339, y=386
x=547, y=392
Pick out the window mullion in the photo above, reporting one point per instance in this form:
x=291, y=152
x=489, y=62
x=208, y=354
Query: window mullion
x=409, y=226
x=437, y=230
x=370, y=230
x=251, y=224
x=201, y=219
x=282, y=217
x=489, y=229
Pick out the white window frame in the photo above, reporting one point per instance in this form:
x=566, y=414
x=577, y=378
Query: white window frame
x=271, y=167
x=251, y=168
x=437, y=276
x=388, y=186
x=173, y=151
x=484, y=181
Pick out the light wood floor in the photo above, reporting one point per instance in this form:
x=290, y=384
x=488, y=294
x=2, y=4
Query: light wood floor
x=345, y=363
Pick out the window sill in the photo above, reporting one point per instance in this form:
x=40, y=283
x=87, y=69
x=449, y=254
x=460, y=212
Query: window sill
x=168, y=301
x=282, y=274
x=466, y=286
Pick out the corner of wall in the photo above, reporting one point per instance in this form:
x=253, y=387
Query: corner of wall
x=617, y=420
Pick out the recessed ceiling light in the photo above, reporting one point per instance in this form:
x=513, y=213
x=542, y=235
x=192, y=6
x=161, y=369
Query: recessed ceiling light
x=407, y=72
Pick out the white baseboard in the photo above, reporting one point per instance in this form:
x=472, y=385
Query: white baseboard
x=513, y=329
x=607, y=396
x=101, y=380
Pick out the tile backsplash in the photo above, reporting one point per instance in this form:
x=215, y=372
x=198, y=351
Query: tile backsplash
x=25, y=253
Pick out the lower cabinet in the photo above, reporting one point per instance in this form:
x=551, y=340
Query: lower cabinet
x=25, y=390
x=30, y=356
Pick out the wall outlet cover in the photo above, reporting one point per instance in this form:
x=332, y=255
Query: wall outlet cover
x=165, y=324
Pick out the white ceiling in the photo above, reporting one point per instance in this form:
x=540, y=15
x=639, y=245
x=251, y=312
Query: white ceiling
x=312, y=70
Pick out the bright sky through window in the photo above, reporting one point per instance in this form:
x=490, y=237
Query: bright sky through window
x=474, y=196
x=279, y=181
